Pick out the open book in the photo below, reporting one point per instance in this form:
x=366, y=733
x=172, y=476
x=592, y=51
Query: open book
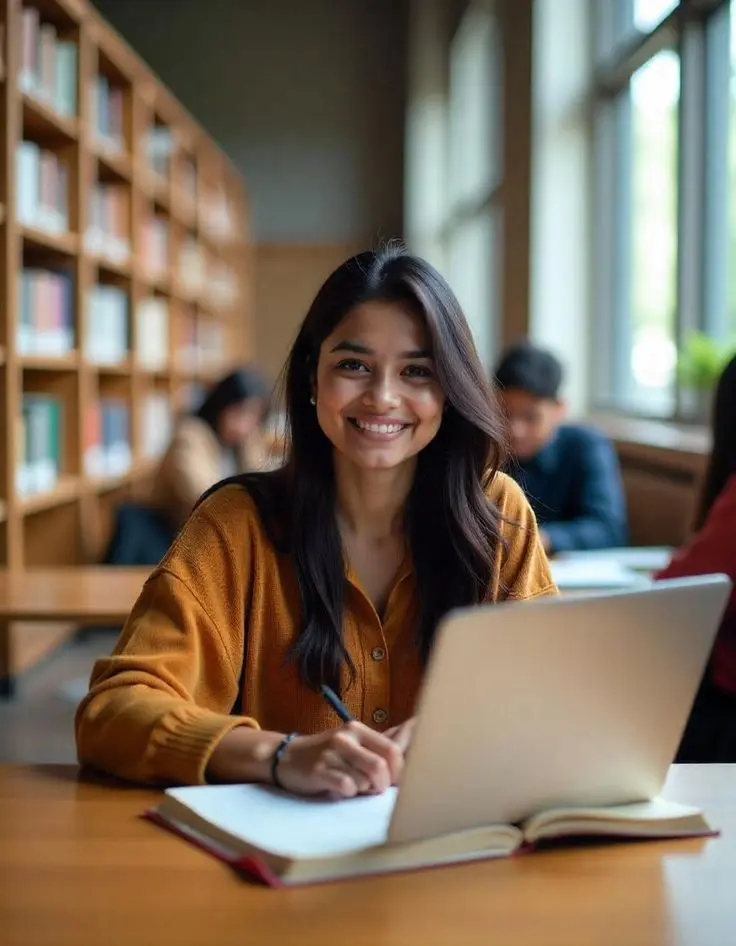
x=644, y=559
x=608, y=568
x=284, y=839
x=582, y=574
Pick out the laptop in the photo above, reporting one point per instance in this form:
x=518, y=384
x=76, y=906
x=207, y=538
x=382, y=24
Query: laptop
x=569, y=700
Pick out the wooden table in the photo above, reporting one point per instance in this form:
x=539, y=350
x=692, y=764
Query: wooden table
x=95, y=593
x=79, y=868
x=83, y=594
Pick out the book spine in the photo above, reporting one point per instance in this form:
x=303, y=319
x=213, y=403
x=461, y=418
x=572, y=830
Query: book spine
x=92, y=440
x=30, y=26
x=47, y=62
x=65, y=79
x=28, y=183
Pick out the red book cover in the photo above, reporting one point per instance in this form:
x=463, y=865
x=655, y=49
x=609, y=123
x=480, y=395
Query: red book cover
x=249, y=866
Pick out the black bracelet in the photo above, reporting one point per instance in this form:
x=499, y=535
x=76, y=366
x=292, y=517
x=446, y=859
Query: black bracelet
x=276, y=758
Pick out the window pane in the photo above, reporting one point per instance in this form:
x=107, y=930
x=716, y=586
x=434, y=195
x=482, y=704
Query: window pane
x=652, y=238
x=474, y=250
x=648, y=13
x=475, y=165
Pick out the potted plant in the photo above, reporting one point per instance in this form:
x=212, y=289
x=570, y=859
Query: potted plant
x=699, y=365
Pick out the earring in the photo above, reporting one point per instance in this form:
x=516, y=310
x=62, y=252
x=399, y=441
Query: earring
x=312, y=400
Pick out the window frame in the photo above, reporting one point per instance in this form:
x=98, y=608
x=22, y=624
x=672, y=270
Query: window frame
x=485, y=205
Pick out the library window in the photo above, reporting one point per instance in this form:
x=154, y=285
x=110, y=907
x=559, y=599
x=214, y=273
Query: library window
x=664, y=200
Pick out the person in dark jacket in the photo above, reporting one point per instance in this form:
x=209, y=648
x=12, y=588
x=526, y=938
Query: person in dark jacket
x=569, y=472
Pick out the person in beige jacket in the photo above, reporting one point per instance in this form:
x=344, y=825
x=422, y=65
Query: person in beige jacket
x=224, y=436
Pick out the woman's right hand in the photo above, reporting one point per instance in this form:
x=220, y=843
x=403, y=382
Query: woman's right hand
x=351, y=760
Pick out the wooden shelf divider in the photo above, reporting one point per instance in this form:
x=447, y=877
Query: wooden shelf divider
x=125, y=234
x=40, y=118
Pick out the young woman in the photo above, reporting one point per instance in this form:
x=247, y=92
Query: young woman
x=710, y=735
x=334, y=569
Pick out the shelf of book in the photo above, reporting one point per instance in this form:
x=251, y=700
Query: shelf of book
x=124, y=235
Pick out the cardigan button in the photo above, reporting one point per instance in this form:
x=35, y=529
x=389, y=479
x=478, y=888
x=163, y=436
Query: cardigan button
x=378, y=653
x=380, y=716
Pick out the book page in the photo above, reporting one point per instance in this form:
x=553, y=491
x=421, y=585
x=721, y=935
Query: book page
x=289, y=825
x=648, y=818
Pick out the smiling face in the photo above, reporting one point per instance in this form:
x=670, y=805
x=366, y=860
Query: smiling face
x=378, y=399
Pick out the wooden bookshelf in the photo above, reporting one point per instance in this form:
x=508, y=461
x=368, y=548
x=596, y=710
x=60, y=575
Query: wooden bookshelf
x=125, y=280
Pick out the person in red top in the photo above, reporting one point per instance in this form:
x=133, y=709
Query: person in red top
x=710, y=734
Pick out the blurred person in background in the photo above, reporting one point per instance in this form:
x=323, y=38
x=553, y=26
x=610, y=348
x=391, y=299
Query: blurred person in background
x=710, y=735
x=569, y=472
x=222, y=437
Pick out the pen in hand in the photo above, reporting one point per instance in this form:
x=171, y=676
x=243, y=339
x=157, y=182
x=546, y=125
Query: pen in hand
x=336, y=703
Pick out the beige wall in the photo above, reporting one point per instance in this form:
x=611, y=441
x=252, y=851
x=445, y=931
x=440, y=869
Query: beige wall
x=287, y=279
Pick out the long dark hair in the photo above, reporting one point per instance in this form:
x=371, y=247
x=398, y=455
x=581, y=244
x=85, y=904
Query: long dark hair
x=722, y=462
x=452, y=529
x=240, y=385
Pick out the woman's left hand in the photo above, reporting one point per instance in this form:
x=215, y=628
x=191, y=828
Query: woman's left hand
x=402, y=733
